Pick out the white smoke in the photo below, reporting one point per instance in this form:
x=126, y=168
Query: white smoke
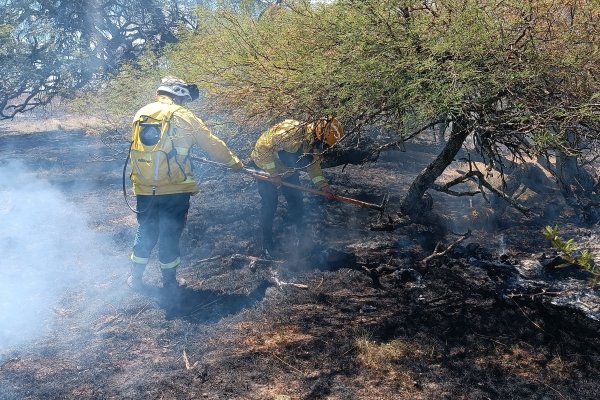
x=44, y=241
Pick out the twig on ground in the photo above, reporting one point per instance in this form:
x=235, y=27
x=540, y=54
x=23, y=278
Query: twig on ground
x=550, y=387
x=138, y=313
x=437, y=253
x=320, y=283
x=542, y=293
x=527, y=317
x=490, y=339
x=206, y=260
x=254, y=260
x=106, y=322
x=282, y=283
x=202, y=307
x=187, y=361
x=288, y=364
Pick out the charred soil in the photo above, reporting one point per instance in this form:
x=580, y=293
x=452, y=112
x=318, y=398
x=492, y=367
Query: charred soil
x=343, y=311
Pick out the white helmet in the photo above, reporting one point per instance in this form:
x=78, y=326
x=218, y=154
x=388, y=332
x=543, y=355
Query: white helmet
x=178, y=87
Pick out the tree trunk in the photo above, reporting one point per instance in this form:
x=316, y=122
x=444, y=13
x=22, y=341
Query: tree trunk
x=412, y=204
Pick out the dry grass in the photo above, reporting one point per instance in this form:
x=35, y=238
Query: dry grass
x=527, y=362
x=50, y=122
x=384, y=358
x=274, y=338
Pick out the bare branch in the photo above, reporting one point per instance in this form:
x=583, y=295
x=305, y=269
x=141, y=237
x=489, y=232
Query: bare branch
x=437, y=253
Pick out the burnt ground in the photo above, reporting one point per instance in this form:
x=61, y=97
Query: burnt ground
x=490, y=320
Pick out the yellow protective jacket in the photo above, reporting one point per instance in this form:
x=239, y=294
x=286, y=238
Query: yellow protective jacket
x=291, y=136
x=186, y=131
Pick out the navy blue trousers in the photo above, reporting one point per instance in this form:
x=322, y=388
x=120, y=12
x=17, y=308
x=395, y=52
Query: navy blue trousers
x=269, y=196
x=161, y=221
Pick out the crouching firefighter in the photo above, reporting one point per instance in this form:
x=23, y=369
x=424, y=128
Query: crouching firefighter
x=163, y=135
x=282, y=151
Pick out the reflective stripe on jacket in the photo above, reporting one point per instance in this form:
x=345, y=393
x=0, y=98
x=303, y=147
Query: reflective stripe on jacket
x=292, y=137
x=186, y=131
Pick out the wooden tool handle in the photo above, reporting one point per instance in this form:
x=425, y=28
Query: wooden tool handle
x=318, y=192
x=358, y=202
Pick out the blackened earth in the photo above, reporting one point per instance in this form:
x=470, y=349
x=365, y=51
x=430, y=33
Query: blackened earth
x=490, y=320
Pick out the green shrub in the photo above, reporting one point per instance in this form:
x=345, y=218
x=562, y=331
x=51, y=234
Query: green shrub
x=572, y=256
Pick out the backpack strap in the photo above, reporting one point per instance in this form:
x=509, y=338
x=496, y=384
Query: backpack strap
x=167, y=127
x=173, y=152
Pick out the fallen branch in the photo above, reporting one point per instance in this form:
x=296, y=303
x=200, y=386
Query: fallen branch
x=234, y=257
x=280, y=283
x=320, y=283
x=187, y=361
x=544, y=292
x=206, y=260
x=437, y=253
x=252, y=260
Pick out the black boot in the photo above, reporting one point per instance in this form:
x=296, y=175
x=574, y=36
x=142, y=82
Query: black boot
x=135, y=280
x=173, y=292
x=172, y=286
x=170, y=280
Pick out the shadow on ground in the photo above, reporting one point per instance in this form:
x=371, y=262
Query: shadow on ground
x=203, y=306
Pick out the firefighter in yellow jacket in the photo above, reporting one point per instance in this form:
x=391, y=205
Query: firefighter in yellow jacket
x=161, y=173
x=282, y=151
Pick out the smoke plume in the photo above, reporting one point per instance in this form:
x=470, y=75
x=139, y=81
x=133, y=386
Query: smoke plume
x=44, y=240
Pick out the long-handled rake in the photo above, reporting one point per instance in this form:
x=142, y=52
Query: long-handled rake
x=266, y=177
x=379, y=207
